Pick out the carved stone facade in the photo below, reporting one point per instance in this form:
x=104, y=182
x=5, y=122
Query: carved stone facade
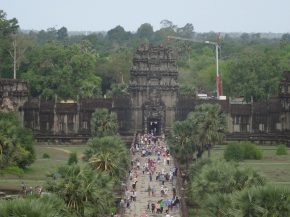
x=13, y=94
x=153, y=89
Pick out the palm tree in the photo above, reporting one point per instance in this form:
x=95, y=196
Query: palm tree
x=83, y=190
x=267, y=201
x=104, y=123
x=219, y=205
x=108, y=151
x=210, y=124
x=104, y=161
x=220, y=177
x=181, y=142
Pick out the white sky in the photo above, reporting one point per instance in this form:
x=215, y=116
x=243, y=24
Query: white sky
x=103, y=15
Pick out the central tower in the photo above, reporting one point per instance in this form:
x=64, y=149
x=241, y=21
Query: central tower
x=153, y=88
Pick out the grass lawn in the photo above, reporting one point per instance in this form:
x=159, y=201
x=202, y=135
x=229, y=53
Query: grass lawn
x=36, y=173
x=274, y=167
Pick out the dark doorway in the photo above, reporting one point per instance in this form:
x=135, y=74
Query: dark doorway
x=154, y=126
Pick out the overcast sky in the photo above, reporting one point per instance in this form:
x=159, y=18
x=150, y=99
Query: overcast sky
x=103, y=15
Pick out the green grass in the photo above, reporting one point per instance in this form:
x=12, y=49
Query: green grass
x=276, y=168
x=36, y=173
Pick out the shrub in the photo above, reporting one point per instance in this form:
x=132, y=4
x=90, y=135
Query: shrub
x=234, y=151
x=281, y=150
x=242, y=151
x=46, y=206
x=14, y=170
x=72, y=159
x=45, y=155
x=251, y=151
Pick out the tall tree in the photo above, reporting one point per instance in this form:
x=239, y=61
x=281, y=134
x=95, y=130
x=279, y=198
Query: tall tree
x=145, y=31
x=62, y=34
x=181, y=142
x=8, y=28
x=210, y=125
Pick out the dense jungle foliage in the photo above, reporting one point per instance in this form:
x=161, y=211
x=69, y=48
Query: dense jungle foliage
x=57, y=62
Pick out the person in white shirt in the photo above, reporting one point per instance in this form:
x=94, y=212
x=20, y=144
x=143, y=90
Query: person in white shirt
x=167, y=215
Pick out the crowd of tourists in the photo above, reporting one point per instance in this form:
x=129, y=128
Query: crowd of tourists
x=29, y=190
x=151, y=159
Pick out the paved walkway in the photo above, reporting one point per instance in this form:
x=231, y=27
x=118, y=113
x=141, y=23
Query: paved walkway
x=139, y=208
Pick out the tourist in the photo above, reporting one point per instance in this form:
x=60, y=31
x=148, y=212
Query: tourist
x=149, y=190
x=134, y=186
x=128, y=204
x=153, y=191
x=168, y=160
x=167, y=215
x=162, y=192
x=134, y=195
x=144, y=214
x=157, y=208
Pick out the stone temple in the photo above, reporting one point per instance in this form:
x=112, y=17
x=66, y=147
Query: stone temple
x=152, y=104
x=153, y=89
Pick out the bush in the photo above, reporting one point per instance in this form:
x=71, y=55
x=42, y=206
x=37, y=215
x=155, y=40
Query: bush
x=234, y=151
x=281, y=150
x=45, y=155
x=72, y=159
x=251, y=151
x=242, y=151
x=14, y=170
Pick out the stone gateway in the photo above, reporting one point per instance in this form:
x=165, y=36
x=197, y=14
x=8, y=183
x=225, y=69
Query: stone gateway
x=153, y=89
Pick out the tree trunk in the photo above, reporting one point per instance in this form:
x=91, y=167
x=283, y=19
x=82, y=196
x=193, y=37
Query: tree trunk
x=208, y=152
x=14, y=59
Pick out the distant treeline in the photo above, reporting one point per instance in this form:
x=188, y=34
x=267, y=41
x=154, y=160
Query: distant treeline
x=93, y=64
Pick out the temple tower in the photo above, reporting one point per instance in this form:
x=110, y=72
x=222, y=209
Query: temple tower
x=153, y=89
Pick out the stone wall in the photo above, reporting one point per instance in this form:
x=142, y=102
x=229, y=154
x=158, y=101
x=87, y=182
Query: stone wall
x=153, y=95
x=13, y=94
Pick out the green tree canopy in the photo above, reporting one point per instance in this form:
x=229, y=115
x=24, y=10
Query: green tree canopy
x=8, y=28
x=145, y=31
x=104, y=123
x=16, y=143
x=65, y=71
x=253, y=75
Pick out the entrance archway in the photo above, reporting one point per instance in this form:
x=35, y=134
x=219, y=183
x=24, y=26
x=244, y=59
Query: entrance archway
x=154, y=126
x=154, y=117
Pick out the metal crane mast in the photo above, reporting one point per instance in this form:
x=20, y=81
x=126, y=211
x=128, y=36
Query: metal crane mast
x=219, y=88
